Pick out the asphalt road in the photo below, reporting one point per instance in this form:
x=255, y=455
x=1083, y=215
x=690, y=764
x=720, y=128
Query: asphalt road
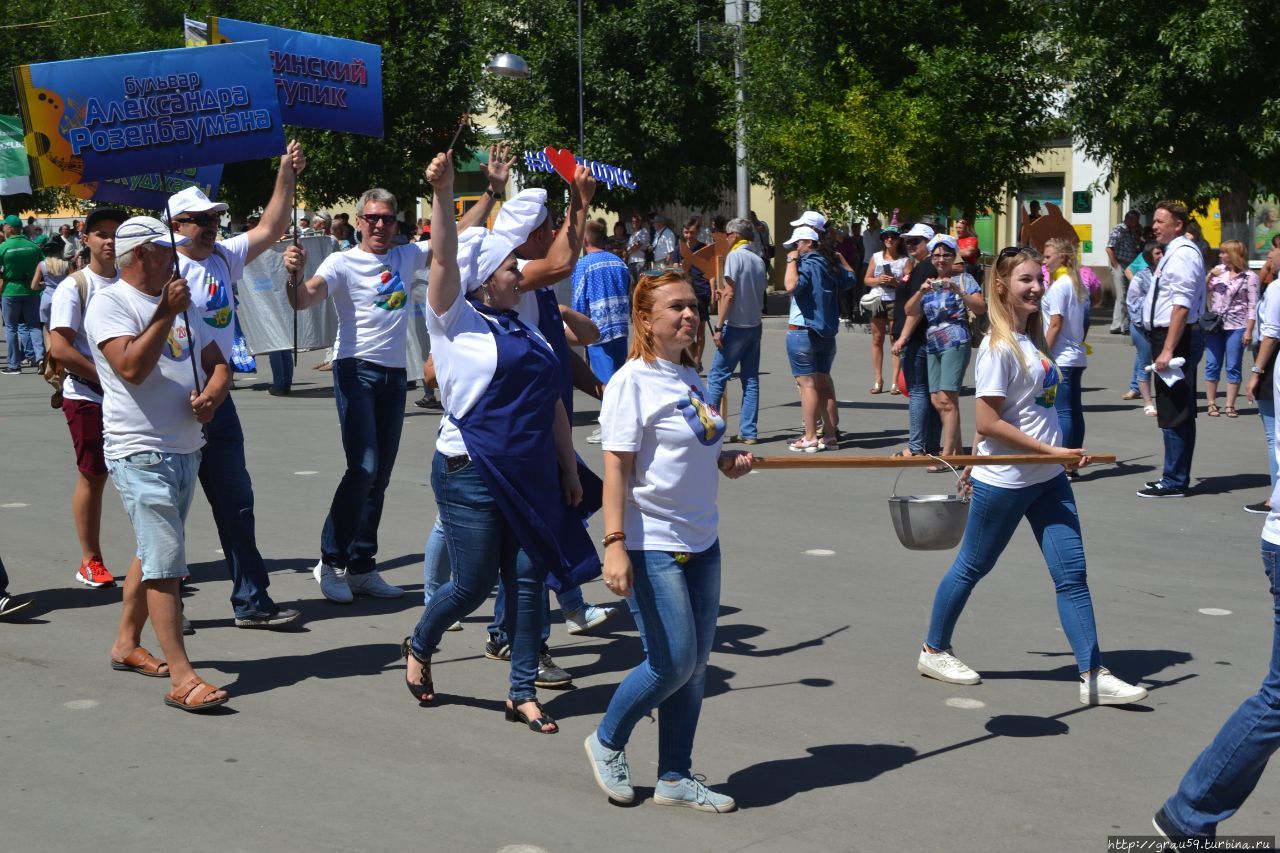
x=815, y=718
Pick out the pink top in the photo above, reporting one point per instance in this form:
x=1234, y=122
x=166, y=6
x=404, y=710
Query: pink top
x=1234, y=296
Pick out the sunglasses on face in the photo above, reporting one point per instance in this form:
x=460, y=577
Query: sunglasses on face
x=376, y=218
x=200, y=220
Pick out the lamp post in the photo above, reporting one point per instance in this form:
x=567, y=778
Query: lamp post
x=581, y=143
x=509, y=65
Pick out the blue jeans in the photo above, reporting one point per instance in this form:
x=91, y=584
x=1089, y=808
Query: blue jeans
x=22, y=329
x=1180, y=441
x=1221, y=779
x=1226, y=346
x=740, y=348
x=227, y=487
x=281, y=369
x=1068, y=406
x=678, y=605
x=500, y=629
x=1141, y=356
x=436, y=567
x=994, y=514
x=485, y=549
x=924, y=433
x=1267, y=411
x=370, y=401
x=607, y=359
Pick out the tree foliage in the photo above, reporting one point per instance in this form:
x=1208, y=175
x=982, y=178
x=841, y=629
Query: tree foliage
x=652, y=103
x=1180, y=97
x=897, y=103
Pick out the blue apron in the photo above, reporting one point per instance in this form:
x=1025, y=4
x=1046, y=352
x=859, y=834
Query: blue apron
x=509, y=436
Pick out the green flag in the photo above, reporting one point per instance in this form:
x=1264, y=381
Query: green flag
x=14, y=174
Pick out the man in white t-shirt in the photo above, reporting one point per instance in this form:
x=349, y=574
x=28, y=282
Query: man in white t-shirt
x=211, y=269
x=161, y=378
x=81, y=392
x=664, y=239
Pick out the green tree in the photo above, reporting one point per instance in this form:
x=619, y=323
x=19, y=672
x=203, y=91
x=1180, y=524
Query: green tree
x=897, y=103
x=1180, y=97
x=652, y=102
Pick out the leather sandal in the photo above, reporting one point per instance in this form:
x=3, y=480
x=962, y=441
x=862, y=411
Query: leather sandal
x=142, y=662
x=878, y=387
x=423, y=691
x=193, y=696
x=515, y=715
x=1231, y=412
x=1212, y=411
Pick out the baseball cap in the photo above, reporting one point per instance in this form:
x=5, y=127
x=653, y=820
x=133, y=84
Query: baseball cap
x=813, y=219
x=100, y=213
x=13, y=221
x=803, y=232
x=919, y=230
x=134, y=232
x=192, y=200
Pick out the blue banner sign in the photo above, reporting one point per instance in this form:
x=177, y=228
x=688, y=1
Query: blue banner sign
x=151, y=190
x=610, y=176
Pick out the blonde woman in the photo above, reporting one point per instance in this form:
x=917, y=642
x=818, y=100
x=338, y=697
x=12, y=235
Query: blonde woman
x=1016, y=383
x=1232, y=296
x=1066, y=305
x=49, y=274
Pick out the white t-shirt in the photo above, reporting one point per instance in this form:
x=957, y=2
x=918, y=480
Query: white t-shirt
x=155, y=415
x=371, y=296
x=211, y=281
x=66, y=312
x=1029, y=393
x=466, y=356
x=1061, y=300
x=657, y=411
x=896, y=266
x=1271, y=529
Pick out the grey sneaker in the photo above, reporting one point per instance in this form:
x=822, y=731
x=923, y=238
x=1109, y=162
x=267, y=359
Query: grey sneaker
x=550, y=675
x=945, y=666
x=268, y=621
x=590, y=616
x=691, y=793
x=333, y=583
x=610, y=769
x=372, y=585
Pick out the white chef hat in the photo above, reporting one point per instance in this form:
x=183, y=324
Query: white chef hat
x=521, y=216
x=480, y=253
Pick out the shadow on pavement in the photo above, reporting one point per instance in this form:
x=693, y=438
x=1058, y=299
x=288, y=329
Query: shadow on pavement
x=772, y=782
x=259, y=676
x=1229, y=483
x=1132, y=665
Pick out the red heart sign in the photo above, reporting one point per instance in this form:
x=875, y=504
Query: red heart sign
x=561, y=159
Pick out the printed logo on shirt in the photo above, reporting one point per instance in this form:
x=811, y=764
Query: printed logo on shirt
x=217, y=310
x=703, y=420
x=392, y=296
x=177, y=346
x=1050, y=385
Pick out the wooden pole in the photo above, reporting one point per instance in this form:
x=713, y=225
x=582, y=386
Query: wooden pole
x=831, y=461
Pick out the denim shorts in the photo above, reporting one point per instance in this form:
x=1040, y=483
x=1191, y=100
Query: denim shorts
x=809, y=352
x=946, y=368
x=157, y=489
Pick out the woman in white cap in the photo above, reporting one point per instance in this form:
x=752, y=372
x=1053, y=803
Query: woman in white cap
x=814, y=276
x=942, y=304
x=504, y=471
x=885, y=270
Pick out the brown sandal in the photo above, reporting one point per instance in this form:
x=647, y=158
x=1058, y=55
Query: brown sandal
x=1231, y=412
x=194, y=696
x=1212, y=411
x=142, y=662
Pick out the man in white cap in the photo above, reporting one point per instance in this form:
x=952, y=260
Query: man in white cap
x=924, y=433
x=147, y=357
x=211, y=268
x=370, y=289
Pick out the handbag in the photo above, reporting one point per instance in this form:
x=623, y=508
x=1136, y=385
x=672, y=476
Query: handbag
x=1211, y=321
x=871, y=303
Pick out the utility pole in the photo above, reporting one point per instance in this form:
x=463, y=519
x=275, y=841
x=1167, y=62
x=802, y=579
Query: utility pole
x=740, y=152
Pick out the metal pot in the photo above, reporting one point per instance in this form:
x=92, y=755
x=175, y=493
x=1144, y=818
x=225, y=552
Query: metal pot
x=928, y=522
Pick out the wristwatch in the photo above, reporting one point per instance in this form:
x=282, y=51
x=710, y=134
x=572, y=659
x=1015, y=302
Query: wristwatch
x=492, y=193
x=1258, y=370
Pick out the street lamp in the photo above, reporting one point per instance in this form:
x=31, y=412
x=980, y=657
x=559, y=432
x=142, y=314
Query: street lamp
x=510, y=65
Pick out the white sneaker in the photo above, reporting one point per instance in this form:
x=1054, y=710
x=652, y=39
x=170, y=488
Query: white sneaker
x=594, y=438
x=1105, y=689
x=372, y=584
x=333, y=583
x=945, y=666
x=456, y=626
x=590, y=616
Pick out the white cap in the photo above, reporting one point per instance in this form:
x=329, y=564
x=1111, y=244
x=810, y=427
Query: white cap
x=480, y=253
x=919, y=230
x=521, y=215
x=132, y=233
x=192, y=200
x=803, y=232
x=944, y=240
x=813, y=219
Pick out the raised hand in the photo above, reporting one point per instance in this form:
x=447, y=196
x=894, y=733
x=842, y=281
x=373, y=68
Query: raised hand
x=440, y=171
x=584, y=185
x=295, y=157
x=295, y=259
x=498, y=170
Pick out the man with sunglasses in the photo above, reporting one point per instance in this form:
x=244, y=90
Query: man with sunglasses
x=211, y=269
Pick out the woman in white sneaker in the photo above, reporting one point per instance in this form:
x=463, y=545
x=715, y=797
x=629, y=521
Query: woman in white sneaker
x=661, y=445
x=1016, y=385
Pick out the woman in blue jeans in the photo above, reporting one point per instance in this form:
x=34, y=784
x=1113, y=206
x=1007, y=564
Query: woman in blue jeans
x=661, y=446
x=1221, y=779
x=1233, y=296
x=1016, y=386
x=504, y=468
x=1135, y=298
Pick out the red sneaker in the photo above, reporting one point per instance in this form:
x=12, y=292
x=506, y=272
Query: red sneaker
x=93, y=573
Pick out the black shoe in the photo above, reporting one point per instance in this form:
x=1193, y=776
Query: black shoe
x=429, y=402
x=1119, y=332
x=549, y=675
x=1152, y=485
x=11, y=605
x=1260, y=508
x=269, y=621
x=494, y=650
x=11, y=371
x=1159, y=491
x=279, y=392
x=1169, y=831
